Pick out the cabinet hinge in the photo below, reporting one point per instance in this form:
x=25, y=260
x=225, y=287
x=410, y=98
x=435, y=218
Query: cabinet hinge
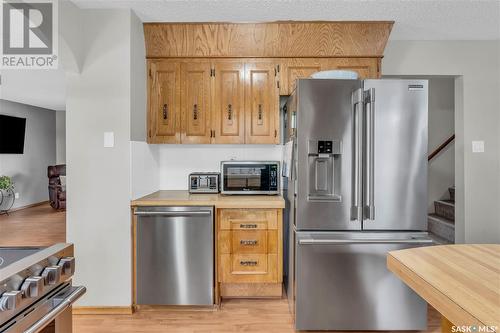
x=150, y=74
x=278, y=68
x=275, y=133
x=278, y=84
x=212, y=72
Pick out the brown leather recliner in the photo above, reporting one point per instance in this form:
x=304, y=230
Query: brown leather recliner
x=57, y=193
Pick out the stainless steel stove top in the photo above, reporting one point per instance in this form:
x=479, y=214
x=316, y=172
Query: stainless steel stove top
x=9, y=255
x=31, y=280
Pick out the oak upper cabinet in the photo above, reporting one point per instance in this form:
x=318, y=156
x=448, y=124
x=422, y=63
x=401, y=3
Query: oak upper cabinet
x=367, y=68
x=292, y=69
x=196, y=102
x=296, y=68
x=164, y=102
x=229, y=102
x=261, y=102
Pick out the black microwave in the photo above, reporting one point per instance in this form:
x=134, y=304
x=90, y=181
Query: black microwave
x=250, y=177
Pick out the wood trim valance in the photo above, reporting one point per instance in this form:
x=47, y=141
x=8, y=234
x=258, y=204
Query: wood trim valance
x=276, y=39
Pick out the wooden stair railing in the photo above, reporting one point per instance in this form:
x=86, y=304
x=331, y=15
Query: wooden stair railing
x=441, y=147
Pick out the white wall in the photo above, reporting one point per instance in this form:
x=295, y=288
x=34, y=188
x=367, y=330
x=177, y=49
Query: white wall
x=61, y=137
x=441, y=173
x=29, y=170
x=144, y=169
x=176, y=162
x=477, y=67
x=98, y=212
x=138, y=81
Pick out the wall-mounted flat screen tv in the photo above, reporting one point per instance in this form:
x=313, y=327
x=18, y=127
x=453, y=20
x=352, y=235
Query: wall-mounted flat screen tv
x=12, y=130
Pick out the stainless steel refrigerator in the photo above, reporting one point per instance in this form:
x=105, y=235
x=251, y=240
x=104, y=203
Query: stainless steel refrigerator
x=356, y=189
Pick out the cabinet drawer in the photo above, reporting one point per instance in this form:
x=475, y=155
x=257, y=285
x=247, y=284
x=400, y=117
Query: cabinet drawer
x=249, y=263
x=248, y=241
x=248, y=219
x=250, y=268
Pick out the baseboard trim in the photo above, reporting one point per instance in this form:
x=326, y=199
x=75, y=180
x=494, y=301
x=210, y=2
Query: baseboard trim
x=28, y=206
x=102, y=310
x=251, y=290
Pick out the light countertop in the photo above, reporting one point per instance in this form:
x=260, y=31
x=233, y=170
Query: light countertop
x=184, y=198
x=462, y=282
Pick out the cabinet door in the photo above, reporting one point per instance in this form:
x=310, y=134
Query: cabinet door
x=229, y=121
x=262, y=102
x=164, y=102
x=296, y=68
x=367, y=68
x=196, y=102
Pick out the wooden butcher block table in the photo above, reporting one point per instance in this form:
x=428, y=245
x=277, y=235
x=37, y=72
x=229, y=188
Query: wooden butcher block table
x=462, y=282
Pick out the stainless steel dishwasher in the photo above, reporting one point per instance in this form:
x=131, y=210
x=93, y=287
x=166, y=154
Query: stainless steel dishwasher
x=175, y=256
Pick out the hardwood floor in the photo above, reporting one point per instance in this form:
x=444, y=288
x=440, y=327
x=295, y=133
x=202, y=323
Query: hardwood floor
x=34, y=226
x=235, y=315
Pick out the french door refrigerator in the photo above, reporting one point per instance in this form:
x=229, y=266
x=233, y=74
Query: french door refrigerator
x=357, y=189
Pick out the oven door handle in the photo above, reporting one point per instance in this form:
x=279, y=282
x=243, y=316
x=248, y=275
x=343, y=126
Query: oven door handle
x=75, y=294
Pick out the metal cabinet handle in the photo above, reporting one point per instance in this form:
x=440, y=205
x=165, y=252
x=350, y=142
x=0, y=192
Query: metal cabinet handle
x=229, y=112
x=248, y=263
x=363, y=241
x=250, y=242
x=195, y=213
x=165, y=111
x=259, y=114
x=370, y=163
x=65, y=303
x=248, y=226
x=195, y=111
x=357, y=209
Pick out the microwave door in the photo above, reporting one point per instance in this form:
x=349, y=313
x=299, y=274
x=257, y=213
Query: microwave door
x=250, y=177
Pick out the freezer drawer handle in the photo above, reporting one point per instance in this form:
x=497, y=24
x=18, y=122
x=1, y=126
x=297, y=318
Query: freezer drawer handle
x=363, y=241
x=194, y=213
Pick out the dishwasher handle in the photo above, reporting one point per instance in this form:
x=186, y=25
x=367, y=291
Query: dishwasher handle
x=174, y=213
x=364, y=241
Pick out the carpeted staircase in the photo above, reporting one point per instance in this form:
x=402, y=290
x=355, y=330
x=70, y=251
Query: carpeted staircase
x=442, y=221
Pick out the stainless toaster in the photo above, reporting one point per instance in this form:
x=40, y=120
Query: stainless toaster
x=204, y=182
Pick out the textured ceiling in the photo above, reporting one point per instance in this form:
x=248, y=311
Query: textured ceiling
x=415, y=19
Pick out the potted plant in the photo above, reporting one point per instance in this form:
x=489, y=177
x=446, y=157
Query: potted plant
x=6, y=183
x=6, y=193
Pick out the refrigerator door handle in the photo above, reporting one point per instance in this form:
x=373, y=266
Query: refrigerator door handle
x=357, y=200
x=364, y=241
x=369, y=209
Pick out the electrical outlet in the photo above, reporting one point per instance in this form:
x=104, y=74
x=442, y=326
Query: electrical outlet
x=16, y=195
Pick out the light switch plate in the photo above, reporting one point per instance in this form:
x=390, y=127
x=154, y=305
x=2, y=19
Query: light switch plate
x=478, y=146
x=109, y=139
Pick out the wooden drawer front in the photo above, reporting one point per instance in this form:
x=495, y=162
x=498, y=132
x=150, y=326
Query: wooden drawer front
x=249, y=241
x=252, y=268
x=249, y=263
x=248, y=219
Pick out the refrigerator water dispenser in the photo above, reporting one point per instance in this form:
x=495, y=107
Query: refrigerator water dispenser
x=324, y=170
